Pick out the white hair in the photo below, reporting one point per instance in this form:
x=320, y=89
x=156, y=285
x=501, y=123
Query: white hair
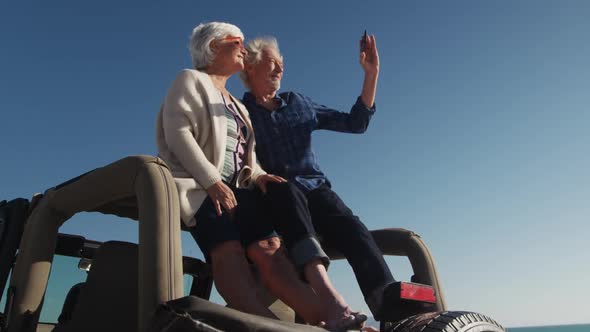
x=203, y=34
x=255, y=48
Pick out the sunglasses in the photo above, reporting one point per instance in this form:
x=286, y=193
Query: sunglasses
x=236, y=41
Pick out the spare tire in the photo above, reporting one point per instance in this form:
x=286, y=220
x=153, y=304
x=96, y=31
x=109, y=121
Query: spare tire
x=445, y=321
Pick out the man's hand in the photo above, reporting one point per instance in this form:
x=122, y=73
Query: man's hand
x=262, y=180
x=222, y=196
x=369, y=56
x=370, y=63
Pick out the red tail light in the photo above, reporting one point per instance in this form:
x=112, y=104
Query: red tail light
x=417, y=292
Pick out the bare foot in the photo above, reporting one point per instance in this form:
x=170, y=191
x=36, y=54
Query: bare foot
x=350, y=321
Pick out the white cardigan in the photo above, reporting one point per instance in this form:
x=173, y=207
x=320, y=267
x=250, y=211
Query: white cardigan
x=191, y=134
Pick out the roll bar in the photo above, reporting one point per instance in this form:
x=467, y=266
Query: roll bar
x=402, y=242
x=137, y=187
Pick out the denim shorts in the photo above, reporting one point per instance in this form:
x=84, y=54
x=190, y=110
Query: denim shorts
x=250, y=224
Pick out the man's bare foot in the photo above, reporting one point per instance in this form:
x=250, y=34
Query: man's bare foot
x=348, y=321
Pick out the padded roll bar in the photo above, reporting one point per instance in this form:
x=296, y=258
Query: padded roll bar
x=137, y=187
x=402, y=242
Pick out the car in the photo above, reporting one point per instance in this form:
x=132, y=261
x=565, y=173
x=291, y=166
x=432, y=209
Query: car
x=143, y=286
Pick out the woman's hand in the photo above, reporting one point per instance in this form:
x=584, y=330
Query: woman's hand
x=262, y=180
x=222, y=196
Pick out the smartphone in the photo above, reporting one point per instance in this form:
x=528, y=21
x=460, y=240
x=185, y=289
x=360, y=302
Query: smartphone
x=364, y=41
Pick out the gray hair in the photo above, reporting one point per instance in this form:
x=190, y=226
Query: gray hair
x=201, y=53
x=255, y=48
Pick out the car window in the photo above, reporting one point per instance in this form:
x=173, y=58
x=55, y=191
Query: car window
x=3, y=300
x=64, y=274
x=187, y=281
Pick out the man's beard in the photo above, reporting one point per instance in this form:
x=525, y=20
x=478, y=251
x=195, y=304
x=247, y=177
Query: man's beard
x=274, y=83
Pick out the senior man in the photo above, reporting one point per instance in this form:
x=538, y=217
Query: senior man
x=283, y=124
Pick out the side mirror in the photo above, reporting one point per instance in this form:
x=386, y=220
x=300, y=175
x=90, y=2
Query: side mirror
x=85, y=264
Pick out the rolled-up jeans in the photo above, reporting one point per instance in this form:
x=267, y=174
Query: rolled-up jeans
x=339, y=229
x=287, y=211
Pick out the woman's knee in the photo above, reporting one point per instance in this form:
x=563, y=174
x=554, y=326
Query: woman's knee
x=350, y=223
x=226, y=249
x=264, y=252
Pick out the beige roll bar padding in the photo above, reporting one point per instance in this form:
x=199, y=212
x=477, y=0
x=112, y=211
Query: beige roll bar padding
x=138, y=187
x=402, y=242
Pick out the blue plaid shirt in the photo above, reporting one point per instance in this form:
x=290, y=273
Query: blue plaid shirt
x=283, y=136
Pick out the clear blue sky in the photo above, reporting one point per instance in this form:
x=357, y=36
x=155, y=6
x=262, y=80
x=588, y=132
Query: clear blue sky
x=479, y=144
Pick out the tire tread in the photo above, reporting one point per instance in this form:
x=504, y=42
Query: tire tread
x=445, y=321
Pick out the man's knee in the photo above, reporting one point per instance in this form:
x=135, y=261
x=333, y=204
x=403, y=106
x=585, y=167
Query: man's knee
x=345, y=230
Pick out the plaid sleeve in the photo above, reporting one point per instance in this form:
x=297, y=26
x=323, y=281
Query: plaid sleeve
x=356, y=121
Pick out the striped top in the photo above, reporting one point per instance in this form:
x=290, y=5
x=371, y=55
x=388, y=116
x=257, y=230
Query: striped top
x=236, y=146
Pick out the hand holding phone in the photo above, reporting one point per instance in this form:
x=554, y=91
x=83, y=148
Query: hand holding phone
x=364, y=41
x=369, y=58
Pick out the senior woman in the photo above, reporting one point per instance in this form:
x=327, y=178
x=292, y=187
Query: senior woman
x=205, y=136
